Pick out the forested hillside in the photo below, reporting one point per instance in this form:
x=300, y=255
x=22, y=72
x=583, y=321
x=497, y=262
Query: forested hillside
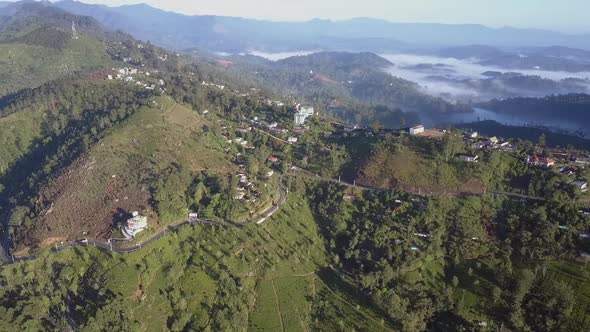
x=143, y=190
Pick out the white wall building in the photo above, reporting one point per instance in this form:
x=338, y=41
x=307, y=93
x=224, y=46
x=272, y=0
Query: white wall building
x=302, y=114
x=134, y=225
x=416, y=130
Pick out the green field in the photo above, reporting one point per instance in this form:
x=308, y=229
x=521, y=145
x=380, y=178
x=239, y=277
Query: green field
x=27, y=66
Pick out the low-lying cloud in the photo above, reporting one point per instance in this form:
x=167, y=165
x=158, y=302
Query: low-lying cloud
x=463, y=79
x=459, y=79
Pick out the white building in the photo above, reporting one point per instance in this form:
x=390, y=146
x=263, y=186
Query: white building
x=302, y=114
x=134, y=225
x=193, y=217
x=292, y=140
x=416, y=130
x=582, y=185
x=469, y=158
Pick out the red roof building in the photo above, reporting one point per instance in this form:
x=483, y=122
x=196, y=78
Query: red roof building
x=540, y=161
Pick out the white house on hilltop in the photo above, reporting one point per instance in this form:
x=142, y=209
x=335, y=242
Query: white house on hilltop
x=416, y=130
x=134, y=225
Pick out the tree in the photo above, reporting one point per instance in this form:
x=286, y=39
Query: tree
x=252, y=165
x=542, y=140
x=496, y=293
x=452, y=144
x=455, y=281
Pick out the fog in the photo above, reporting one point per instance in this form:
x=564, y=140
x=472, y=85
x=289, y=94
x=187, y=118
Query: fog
x=470, y=67
x=462, y=80
x=280, y=56
x=458, y=79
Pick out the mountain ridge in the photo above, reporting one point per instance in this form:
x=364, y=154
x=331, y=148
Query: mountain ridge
x=235, y=34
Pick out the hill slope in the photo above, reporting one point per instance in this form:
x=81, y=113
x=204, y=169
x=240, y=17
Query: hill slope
x=119, y=173
x=37, y=45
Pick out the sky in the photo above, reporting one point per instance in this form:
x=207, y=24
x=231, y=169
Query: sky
x=570, y=16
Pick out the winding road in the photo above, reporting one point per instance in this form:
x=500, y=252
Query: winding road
x=110, y=246
x=295, y=172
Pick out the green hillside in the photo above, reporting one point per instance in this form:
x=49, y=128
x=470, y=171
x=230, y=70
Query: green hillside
x=314, y=227
x=119, y=172
x=260, y=276
x=28, y=66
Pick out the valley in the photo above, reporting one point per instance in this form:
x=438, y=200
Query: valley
x=162, y=171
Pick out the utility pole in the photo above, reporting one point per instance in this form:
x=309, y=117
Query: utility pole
x=74, y=32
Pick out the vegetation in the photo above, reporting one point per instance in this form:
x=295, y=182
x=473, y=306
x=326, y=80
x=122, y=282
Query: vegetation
x=422, y=239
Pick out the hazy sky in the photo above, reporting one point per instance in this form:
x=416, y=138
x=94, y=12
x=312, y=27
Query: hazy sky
x=565, y=15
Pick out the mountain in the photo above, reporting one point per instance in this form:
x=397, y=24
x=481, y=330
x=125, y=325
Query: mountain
x=471, y=51
x=565, y=52
x=353, y=86
x=537, y=62
x=234, y=35
x=37, y=45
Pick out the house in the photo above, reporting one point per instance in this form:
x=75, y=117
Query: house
x=472, y=135
x=272, y=125
x=478, y=145
x=540, y=161
x=469, y=158
x=302, y=114
x=567, y=170
x=270, y=173
x=240, y=195
x=494, y=140
x=193, y=217
x=243, y=177
x=243, y=130
x=416, y=130
x=292, y=140
x=273, y=159
x=582, y=160
x=134, y=225
x=582, y=185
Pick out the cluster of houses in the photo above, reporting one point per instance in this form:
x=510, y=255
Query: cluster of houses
x=489, y=143
x=127, y=75
x=270, y=102
x=219, y=86
x=246, y=189
x=546, y=163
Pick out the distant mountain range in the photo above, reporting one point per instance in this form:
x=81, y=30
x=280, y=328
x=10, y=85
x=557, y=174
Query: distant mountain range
x=233, y=34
